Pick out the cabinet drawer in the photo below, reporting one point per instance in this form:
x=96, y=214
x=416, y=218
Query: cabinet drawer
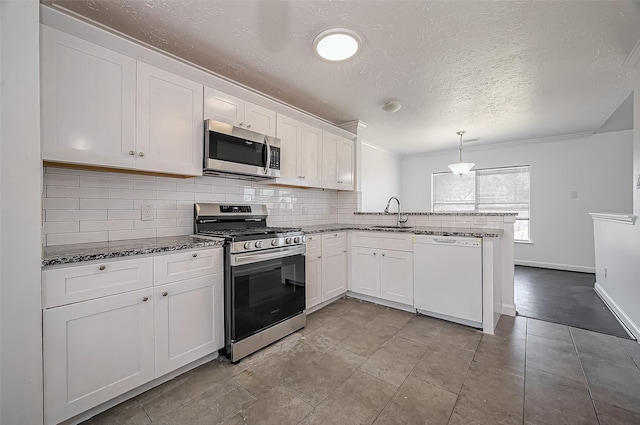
x=72, y=284
x=334, y=240
x=186, y=265
x=313, y=243
x=383, y=240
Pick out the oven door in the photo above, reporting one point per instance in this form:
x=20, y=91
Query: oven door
x=266, y=288
x=237, y=150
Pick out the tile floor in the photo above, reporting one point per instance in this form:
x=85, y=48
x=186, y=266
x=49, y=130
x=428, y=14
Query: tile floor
x=361, y=363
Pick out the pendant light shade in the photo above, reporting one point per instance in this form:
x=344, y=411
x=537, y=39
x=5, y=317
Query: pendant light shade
x=460, y=167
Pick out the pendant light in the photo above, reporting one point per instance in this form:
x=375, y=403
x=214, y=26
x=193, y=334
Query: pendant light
x=460, y=167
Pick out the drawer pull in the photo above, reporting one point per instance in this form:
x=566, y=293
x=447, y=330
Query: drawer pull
x=383, y=254
x=165, y=293
x=319, y=256
x=346, y=251
x=102, y=267
x=194, y=255
x=374, y=253
x=132, y=153
x=145, y=299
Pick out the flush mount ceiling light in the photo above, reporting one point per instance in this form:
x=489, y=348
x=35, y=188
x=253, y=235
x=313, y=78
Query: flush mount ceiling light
x=391, y=106
x=336, y=44
x=460, y=167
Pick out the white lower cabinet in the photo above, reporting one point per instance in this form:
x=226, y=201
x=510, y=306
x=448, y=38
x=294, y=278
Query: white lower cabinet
x=325, y=267
x=97, y=349
x=184, y=331
x=379, y=272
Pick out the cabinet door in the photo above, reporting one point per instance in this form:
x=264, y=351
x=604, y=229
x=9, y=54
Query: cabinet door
x=329, y=161
x=189, y=321
x=259, y=119
x=396, y=276
x=170, y=124
x=334, y=273
x=365, y=271
x=88, y=102
x=345, y=164
x=223, y=107
x=310, y=156
x=313, y=272
x=289, y=132
x=96, y=350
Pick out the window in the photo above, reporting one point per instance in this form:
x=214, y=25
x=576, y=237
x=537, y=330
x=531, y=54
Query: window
x=486, y=191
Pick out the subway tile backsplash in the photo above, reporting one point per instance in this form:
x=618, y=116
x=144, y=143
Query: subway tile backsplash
x=93, y=206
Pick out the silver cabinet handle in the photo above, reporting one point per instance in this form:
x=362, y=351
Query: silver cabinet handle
x=319, y=256
x=249, y=126
x=240, y=124
x=383, y=254
x=141, y=154
x=102, y=267
x=374, y=253
x=145, y=299
x=165, y=293
x=132, y=152
x=346, y=251
x=194, y=255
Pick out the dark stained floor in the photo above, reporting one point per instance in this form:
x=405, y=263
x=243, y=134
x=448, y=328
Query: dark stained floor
x=358, y=363
x=563, y=297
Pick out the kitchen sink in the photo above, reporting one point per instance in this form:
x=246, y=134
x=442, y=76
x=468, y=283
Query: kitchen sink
x=392, y=227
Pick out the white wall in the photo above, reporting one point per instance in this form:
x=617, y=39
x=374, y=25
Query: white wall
x=20, y=182
x=380, y=177
x=597, y=167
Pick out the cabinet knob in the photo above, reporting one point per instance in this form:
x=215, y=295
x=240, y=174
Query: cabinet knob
x=141, y=154
x=249, y=126
x=319, y=256
x=240, y=124
x=165, y=293
x=346, y=251
x=194, y=255
x=102, y=267
x=374, y=253
x=383, y=254
x=145, y=299
x=132, y=153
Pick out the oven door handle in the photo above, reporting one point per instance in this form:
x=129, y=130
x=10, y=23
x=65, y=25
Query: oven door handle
x=252, y=257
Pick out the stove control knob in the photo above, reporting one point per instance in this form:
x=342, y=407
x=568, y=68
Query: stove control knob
x=275, y=242
x=247, y=245
x=259, y=244
x=297, y=239
x=288, y=240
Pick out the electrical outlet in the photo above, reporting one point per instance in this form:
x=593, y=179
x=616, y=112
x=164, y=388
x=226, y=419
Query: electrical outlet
x=605, y=272
x=147, y=212
x=638, y=181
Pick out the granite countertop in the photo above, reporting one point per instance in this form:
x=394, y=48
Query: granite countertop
x=75, y=253
x=418, y=230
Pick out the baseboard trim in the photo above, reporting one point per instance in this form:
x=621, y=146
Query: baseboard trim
x=386, y=303
x=622, y=317
x=509, y=309
x=555, y=266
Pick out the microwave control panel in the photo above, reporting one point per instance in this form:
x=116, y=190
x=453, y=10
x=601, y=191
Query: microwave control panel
x=275, y=158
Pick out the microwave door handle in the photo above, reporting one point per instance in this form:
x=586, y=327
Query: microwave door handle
x=266, y=166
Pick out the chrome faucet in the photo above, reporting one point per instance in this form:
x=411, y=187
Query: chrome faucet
x=400, y=220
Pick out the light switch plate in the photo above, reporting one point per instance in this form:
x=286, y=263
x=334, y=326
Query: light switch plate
x=147, y=212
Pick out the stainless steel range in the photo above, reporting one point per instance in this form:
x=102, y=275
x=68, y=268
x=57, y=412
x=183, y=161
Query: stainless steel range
x=264, y=275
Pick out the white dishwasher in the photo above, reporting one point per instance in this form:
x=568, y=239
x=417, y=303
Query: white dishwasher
x=448, y=278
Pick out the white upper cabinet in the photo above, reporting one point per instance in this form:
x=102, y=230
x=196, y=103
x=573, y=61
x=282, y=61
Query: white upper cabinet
x=224, y=107
x=88, y=102
x=301, y=153
x=102, y=108
x=337, y=162
x=170, y=123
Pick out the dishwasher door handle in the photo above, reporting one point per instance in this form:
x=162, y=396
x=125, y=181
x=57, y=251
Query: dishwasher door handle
x=446, y=241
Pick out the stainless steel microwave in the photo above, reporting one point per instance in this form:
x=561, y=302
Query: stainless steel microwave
x=239, y=152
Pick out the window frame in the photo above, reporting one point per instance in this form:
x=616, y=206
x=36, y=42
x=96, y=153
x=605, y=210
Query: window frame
x=475, y=200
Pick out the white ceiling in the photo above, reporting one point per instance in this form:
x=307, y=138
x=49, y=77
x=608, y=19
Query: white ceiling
x=502, y=70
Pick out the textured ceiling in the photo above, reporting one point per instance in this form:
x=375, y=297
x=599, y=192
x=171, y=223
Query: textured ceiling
x=502, y=70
